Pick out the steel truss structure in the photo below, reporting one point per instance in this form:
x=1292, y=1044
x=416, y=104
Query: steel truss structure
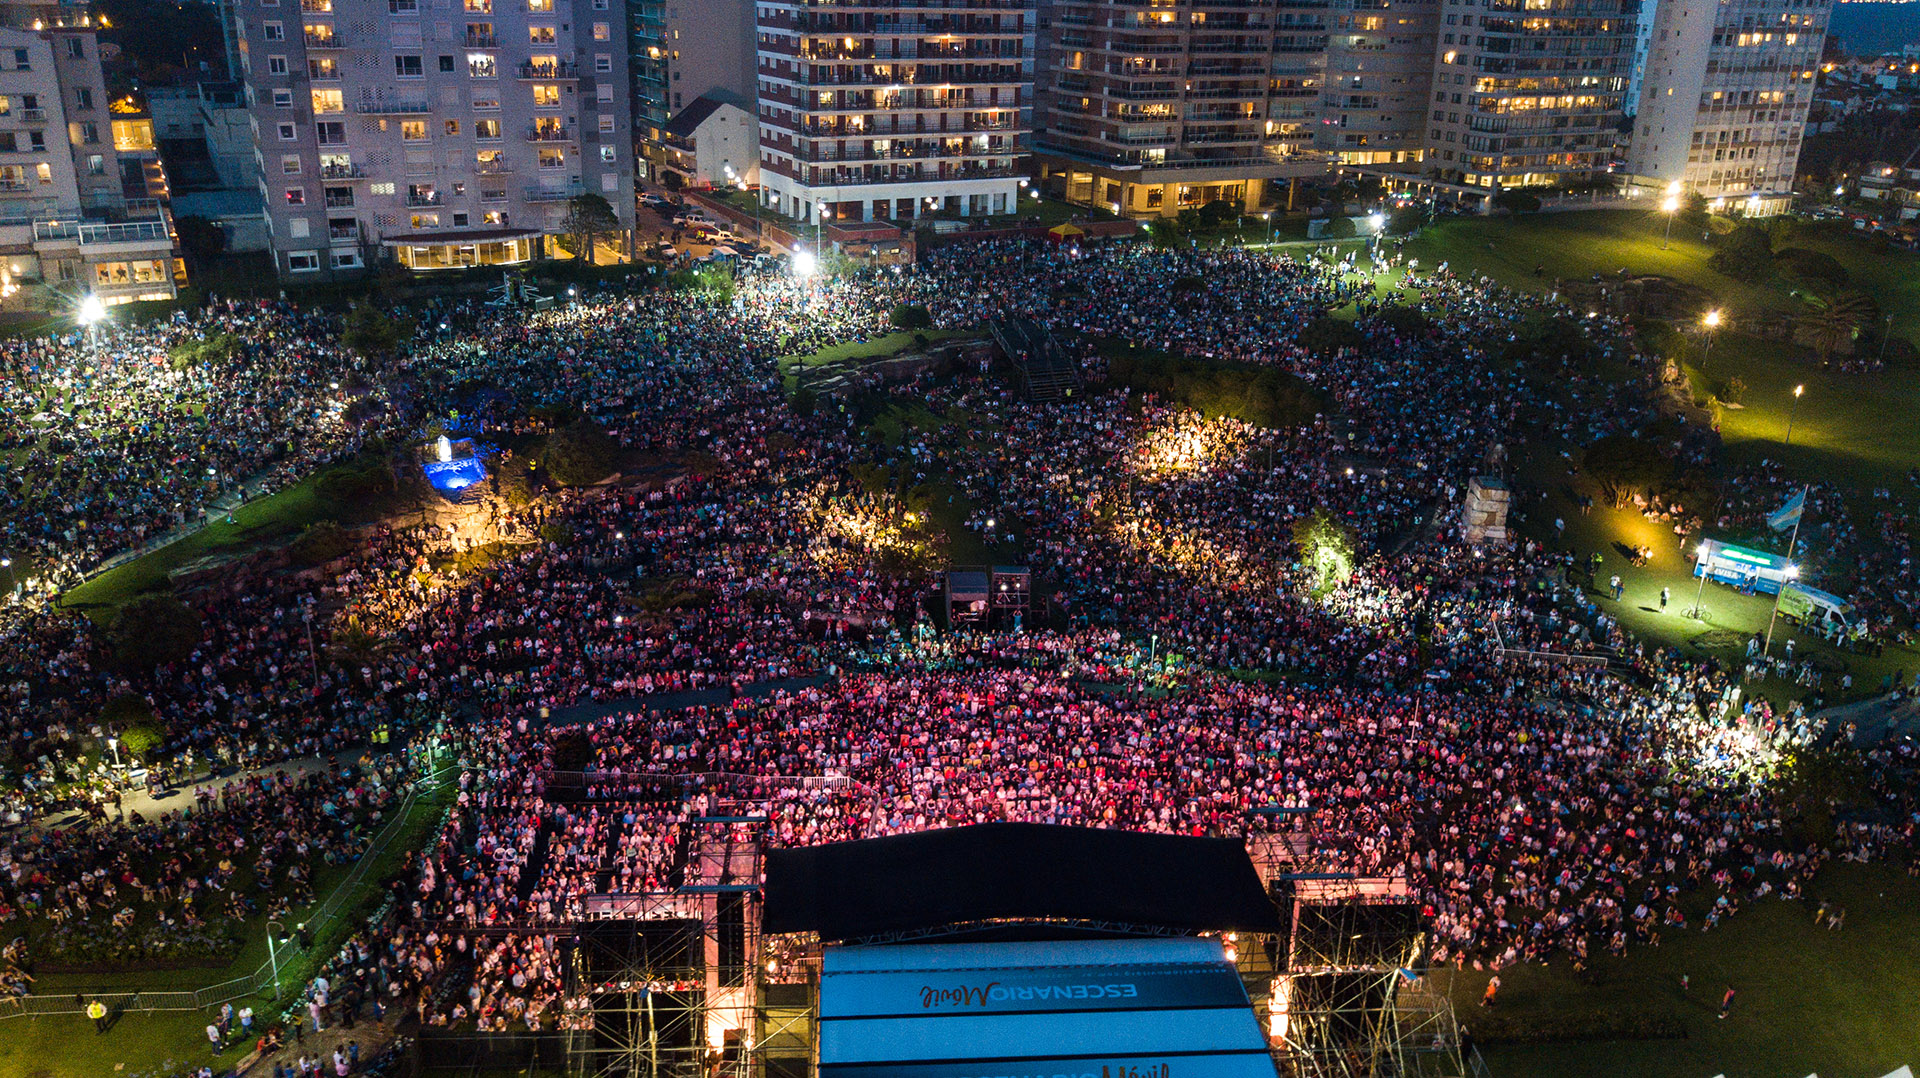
x=1352, y=1000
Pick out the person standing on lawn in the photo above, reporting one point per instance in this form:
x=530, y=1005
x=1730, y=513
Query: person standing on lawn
x=1726, y=1002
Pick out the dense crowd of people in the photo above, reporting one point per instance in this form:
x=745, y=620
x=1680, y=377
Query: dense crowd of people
x=744, y=623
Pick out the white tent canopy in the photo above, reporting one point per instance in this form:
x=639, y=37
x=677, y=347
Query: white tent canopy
x=1062, y=1009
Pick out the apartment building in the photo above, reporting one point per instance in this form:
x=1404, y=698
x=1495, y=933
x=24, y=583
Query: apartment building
x=1147, y=108
x=684, y=51
x=891, y=109
x=1724, y=98
x=77, y=214
x=1529, y=92
x=1378, y=77
x=433, y=133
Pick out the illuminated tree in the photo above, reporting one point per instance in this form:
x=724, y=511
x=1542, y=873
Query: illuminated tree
x=1327, y=550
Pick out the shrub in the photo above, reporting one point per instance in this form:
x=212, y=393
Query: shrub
x=910, y=316
x=1812, y=268
x=1326, y=335
x=1734, y=391
x=1406, y=221
x=1405, y=321
x=219, y=348
x=1514, y=201
x=355, y=484
x=1263, y=396
x=805, y=401
x=154, y=630
x=321, y=543
x=1746, y=253
x=580, y=454
x=1624, y=465
x=1339, y=228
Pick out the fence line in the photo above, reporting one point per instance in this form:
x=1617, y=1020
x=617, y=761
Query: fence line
x=120, y=1000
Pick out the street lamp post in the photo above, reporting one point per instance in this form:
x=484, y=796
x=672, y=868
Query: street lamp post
x=7, y=564
x=273, y=955
x=1883, y=340
x=1793, y=573
x=1791, y=409
x=1267, y=216
x=1712, y=321
x=1670, y=206
x=1698, y=613
x=92, y=310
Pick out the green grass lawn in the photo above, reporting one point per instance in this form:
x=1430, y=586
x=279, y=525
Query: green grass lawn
x=1844, y=1004
x=1578, y=245
x=264, y=519
x=66, y=1046
x=885, y=347
x=1582, y=243
x=1864, y=428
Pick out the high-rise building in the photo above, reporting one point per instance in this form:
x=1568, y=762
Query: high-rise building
x=80, y=184
x=683, y=51
x=1529, y=92
x=433, y=133
x=1724, y=98
x=1379, y=76
x=1148, y=107
x=891, y=109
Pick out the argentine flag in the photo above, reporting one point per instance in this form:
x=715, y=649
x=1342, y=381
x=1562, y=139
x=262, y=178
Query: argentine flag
x=1789, y=514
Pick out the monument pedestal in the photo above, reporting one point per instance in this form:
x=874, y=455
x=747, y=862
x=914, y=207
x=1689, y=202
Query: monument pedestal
x=1483, y=518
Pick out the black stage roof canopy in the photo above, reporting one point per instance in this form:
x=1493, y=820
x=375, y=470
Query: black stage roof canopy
x=1002, y=871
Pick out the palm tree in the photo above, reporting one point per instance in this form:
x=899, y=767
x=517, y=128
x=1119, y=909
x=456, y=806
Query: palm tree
x=1836, y=317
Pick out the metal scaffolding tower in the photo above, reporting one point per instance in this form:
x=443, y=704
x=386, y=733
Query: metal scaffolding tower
x=1352, y=1000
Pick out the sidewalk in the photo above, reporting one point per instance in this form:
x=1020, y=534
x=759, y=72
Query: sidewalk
x=183, y=796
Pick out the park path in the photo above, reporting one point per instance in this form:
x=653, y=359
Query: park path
x=185, y=795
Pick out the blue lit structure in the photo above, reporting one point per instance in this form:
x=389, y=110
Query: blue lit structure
x=452, y=477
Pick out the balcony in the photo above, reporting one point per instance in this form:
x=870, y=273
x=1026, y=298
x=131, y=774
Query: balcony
x=493, y=168
x=393, y=108
x=343, y=172
x=34, y=116
x=324, y=76
x=317, y=7
x=564, y=69
x=325, y=41
x=348, y=234
x=423, y=198
x=100, y=233
x=482, y=41
x=549, y=134
x=553, y=194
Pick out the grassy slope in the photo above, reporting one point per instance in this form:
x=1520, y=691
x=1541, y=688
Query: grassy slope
x=1845, y=1004
x=261, y=520
x=1576, y=245
x=66, y=1046
x=1860, y=431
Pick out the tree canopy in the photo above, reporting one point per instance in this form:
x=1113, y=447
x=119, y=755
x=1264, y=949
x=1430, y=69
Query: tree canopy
x=580, y=454
x=154, y=630
x=589, y=217
x=1624, y=465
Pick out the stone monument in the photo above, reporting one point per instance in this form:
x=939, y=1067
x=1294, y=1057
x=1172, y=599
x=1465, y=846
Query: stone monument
x=1483, y=518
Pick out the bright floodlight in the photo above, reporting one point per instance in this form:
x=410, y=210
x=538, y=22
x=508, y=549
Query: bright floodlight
x=804, y=264
x=92, y=310
x=1673, y=188
x=1671, y=204
x=1712, y=318
x=1377, y=220
x=1797, y=390
x=1793, y=572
